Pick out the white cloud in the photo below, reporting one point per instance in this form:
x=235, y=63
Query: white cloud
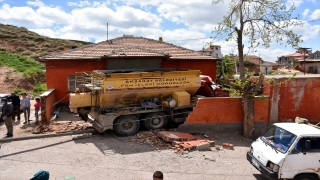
x=36, y=3
x=1, y=0
x=305, y=13
x=315, y=15
x=80, y=3
x=88, y=21
x=198, y=15
x=296, y=3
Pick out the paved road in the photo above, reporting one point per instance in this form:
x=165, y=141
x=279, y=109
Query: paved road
x=107, y=157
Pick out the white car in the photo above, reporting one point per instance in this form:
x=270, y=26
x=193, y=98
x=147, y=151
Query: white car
x=288, y=151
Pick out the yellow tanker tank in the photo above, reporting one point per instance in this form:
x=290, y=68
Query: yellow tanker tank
x=126, y=88
x=120, y=99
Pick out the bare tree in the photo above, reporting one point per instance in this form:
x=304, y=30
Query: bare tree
x=261, y=22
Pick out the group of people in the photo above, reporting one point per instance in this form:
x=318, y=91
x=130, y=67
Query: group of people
x=11, y=111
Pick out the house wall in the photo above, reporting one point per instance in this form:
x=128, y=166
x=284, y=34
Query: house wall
x=310, y=64
x=207, y=67
x=47, y=100
x=297, y=97
x=224, y=115
x=58, y=71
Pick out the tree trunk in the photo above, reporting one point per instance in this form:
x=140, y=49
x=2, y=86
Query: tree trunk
x=248, y=111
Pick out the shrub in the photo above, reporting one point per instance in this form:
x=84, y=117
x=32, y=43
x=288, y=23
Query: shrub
x=39, y=39
x=17, y=91
x=19, y=49
x=26, y=53
x=39, y=88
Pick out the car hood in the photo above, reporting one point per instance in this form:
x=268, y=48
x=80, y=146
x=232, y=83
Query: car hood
x=264, y=152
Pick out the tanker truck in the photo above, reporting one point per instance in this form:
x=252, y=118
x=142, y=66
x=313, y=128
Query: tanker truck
x=124, y=100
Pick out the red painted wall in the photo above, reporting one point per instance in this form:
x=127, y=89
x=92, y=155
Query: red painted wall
x=58, y=71
x=207, y=67
x=297, y=97
x=47, y=100
x=226, y=110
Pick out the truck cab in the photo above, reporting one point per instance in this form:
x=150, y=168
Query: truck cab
x=287, y=151
x=210, y=89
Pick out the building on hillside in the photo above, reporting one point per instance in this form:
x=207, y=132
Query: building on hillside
x=291, y=60
x=256, y=60
x=125, y=52
x=311, y=64
x=251, y=58
x=213, y=50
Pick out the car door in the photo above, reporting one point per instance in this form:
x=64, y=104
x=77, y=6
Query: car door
x=299, y=160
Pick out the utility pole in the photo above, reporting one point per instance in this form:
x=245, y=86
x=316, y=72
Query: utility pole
x=222, y=68
x=304, y=59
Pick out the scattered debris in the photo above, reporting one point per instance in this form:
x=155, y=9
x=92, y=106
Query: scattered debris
x=70, y=177
x=218, y=148
x=206, y=136
x=199, y=144
x=61, y=126
x=210, y=159
x=227, y=146
x=217, y=137
x=203, y=147
x=175, y=136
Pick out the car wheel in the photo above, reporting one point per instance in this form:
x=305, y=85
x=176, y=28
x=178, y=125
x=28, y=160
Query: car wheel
x=305, y=177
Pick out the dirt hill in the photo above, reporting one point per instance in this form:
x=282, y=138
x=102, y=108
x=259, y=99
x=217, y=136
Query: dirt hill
x=19, y=40
x=19, y=50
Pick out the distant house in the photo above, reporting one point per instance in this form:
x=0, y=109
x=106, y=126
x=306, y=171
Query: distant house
x=125, y=52
x=251, y=58
x=213, y=50
x=290, y=60
x=311, y=64
x=256, y=60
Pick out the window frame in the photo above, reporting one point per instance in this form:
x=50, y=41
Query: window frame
x=69, y=81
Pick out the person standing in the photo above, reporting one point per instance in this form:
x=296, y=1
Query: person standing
x=15, y=105
x=37, y=109
x=6, y=116
x=25, y=103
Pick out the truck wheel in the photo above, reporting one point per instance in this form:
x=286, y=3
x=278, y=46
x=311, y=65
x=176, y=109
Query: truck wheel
x=155, y=120
x=126, y=125
x=305, y=177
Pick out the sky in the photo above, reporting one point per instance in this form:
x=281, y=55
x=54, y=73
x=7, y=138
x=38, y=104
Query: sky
x=187, y=23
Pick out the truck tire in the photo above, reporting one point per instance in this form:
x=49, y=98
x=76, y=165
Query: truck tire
x=305, y=177
x=126, y=125
x=155, y=120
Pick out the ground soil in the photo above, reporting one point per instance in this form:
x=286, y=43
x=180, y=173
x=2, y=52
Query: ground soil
x=10, y=80
x=108, y=156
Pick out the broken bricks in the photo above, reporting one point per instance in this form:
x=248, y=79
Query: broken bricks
x=227, y=146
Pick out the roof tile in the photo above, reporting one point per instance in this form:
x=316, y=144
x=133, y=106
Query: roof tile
x=129, y=47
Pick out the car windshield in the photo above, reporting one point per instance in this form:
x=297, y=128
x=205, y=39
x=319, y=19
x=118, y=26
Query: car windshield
x=278, y=138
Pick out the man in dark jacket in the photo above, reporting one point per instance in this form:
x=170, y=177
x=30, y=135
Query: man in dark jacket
x=15, y=105
x=6, y=116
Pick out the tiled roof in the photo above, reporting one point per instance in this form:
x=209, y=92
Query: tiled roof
x=252, y=58
x=297, y=54
x=128, y=47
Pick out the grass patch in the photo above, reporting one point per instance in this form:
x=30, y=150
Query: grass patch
x=28, y=67
x=39, y=88
x=17, y=91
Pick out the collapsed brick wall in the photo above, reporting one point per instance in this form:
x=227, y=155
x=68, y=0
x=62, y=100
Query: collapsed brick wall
x=47, y=100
